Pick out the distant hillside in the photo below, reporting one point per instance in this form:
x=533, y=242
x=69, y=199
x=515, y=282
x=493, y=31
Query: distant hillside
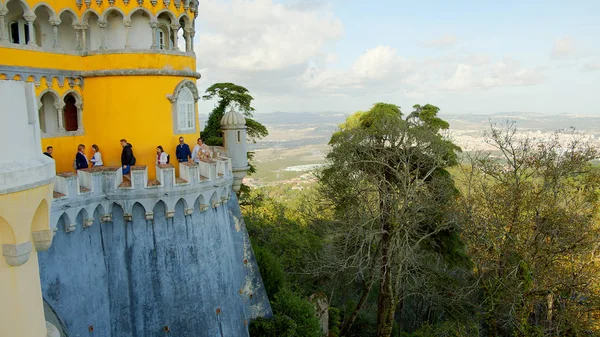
x=524, y=120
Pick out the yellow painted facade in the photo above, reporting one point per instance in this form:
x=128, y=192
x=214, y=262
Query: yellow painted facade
x=22, y=214
x=131, y=99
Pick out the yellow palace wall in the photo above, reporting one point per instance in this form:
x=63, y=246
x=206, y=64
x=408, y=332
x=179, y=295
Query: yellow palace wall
x=132, y=107
x=114, y=107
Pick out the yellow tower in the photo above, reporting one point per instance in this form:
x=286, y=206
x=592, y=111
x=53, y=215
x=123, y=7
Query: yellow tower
x=26, y=184
x=105, y=70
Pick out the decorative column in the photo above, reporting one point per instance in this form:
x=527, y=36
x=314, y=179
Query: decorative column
x=77, y=29
x=3, y=28
x=192, y=34
x=103, y=25
x=175, y=28
x=79, y=106
x=188, y=39
x=154, y=26
x=59, y=106
x=84, y=29
x=127, y=24
x=55, y=23
x=30, y=18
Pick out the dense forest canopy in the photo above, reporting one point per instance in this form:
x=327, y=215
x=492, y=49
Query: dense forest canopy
x=409, y=236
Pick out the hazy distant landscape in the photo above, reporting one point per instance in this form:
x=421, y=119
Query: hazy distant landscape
x=297, y=142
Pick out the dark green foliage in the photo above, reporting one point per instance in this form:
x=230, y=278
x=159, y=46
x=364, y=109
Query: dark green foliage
x=334, y=322
x=303, y=312
x=293, y=316
x=278, y=326
x=270, y=270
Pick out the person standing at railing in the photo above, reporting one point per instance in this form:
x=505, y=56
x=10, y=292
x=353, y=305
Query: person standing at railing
x=183, y=152
x=127, y=157
x=97, y=157
x=81, y=161
x=161, y=156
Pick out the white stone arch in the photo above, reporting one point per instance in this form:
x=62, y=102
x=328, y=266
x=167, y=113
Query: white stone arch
x=200, y=203
x=109, y=11
x=141, y=28
x=48, y=8
x=91, y=35
x=68, y=29
x=45, y=18
x=78, y=106
x=170, y=14
x=23, y=4
x=115, y=34
x=186, y=20
x=86, y=15
x=49, y=111
x=141, y=9
x=67, y=10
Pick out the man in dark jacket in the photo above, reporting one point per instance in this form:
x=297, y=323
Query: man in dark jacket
x=81, y=161
x=183, y=152
x=127, y=157
x=49, y=151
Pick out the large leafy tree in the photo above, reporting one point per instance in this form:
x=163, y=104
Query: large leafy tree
x=532, y=226
x=229, y=95
x=386, y=178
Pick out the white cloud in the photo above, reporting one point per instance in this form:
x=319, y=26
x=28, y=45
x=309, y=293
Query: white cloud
x=592, y=65
x=444, y=41
x=261, y=35
x=507, y=72
x=563, y=48
x=378, y=66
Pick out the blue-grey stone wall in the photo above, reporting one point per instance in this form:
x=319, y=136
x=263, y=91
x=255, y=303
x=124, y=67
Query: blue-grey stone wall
x=194, y=274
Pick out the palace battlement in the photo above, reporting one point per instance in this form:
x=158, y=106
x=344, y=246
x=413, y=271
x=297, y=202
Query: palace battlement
x=92, y=193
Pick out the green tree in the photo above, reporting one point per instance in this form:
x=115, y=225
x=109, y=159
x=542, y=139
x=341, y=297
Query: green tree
x=231, y=95
x=532, y=227
x=386, y=178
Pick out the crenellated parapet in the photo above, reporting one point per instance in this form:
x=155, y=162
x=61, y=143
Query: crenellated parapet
x=92, y=194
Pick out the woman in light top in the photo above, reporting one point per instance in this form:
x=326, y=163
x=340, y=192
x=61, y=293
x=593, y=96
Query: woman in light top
x=97, y=157
x=161, y=156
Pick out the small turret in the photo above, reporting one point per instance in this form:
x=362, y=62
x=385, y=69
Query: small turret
x=233, y=125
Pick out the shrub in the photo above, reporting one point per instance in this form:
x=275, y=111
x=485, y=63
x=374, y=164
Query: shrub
x=270, y=270
x=300, y=310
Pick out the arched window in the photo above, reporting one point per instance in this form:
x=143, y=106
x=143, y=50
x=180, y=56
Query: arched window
x=48, y=113
x=70, y=114
x=185, y=110
x=162, y=37
x=19, y=32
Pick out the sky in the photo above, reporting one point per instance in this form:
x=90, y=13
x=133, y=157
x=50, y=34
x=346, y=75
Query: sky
x=476, y=57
